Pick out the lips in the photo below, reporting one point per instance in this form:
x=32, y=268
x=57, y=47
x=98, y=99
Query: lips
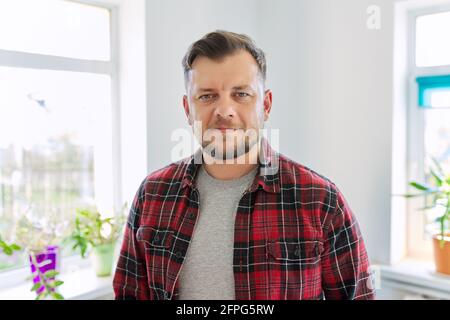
x=225, y=129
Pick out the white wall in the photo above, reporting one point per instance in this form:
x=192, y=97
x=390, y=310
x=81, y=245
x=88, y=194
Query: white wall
x=132, y=96
x=332, y=88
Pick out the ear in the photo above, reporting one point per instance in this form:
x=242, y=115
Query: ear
x=267, y=103
x=186, y=109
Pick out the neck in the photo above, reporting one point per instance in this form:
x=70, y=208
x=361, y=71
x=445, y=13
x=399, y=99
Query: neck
x=238, y=167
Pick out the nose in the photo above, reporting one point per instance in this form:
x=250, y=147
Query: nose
x=225, y=109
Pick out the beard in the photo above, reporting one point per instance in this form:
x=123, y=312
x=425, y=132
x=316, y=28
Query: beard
x=229, y=145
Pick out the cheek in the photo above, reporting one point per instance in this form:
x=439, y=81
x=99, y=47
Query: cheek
x=196, y=112
x=254, y=118
x=205, y=116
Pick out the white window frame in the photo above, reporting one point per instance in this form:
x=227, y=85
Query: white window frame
x=417, y=246
x=17, y=59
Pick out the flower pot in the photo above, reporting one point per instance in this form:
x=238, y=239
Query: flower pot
x=442, y=254
x=102, y=258
x=47, y=260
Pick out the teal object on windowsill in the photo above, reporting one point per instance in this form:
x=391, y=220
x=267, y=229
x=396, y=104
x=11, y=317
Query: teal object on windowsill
x=427, y=85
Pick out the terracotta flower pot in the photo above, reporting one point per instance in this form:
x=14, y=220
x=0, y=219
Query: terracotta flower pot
x=442, y=254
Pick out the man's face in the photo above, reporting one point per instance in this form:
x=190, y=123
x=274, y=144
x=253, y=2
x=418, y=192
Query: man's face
x=227, y=97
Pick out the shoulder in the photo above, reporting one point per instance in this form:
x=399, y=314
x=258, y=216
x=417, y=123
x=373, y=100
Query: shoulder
x=169, y=175
x=294, y=173
x=314, y=190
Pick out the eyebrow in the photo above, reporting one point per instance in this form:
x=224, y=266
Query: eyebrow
x=205, y=90
x=242, y=87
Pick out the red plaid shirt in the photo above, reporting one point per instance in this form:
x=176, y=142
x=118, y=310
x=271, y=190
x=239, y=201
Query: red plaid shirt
x=295, y=237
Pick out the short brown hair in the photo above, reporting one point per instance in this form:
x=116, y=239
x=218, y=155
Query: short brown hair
x=218, y=44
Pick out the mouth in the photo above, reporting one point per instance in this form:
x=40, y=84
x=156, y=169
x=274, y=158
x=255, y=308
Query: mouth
x=225, y=129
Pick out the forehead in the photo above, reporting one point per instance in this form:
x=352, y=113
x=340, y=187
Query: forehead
x=233, y=70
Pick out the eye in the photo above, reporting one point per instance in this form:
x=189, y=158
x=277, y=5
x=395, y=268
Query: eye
x=242, y=94
x=206, y=97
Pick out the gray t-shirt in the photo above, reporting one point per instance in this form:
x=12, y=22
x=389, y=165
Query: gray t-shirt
x=207, y=272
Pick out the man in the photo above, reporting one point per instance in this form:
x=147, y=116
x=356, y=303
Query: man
x=260, y=226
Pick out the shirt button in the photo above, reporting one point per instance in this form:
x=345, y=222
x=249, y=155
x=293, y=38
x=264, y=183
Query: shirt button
x=166, y=295
x=156, y=240
x=191, y=215
x=178, y=255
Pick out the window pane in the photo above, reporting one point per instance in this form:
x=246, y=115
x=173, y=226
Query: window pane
x=437, y=144
x=435, y=98
x=440, y=99
x=432, y=40
x=55, y=148
x=437, y=132
x=55, y=27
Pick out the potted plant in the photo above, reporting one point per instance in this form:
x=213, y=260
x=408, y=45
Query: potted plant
x=39, y=236
x=439, y=192
x=94, y=233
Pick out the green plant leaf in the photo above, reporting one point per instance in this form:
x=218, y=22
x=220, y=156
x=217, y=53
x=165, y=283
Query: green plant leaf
x=36, y=286
x=419, y=186
x=16, y=247
x=42, y=295
x=55, y=283
x=83, y=248
x=410, y=195
x=437, y=178
x=8, y=251
x=51, y=274
x=57, y=296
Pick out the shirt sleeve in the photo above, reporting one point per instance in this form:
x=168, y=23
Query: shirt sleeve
x=345, y=264
x=130, y=278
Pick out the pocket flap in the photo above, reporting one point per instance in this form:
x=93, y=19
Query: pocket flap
x=294, y=251
x=155, y=237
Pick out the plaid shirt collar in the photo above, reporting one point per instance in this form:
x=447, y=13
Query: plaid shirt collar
x=268, y=162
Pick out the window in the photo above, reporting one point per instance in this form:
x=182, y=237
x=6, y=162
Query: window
x=57, y=111
x=429, y=116
x=55, y=27
x=432, y=45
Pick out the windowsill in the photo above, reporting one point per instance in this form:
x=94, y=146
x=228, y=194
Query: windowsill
x=82, y=284
x=410, y=275
x=415, y=276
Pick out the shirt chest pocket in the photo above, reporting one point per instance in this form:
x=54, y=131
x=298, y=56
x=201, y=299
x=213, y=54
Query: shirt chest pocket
x=302, y=252
x=155, y=238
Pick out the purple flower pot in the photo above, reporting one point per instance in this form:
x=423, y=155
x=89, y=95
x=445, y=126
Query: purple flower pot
x=47, y=260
